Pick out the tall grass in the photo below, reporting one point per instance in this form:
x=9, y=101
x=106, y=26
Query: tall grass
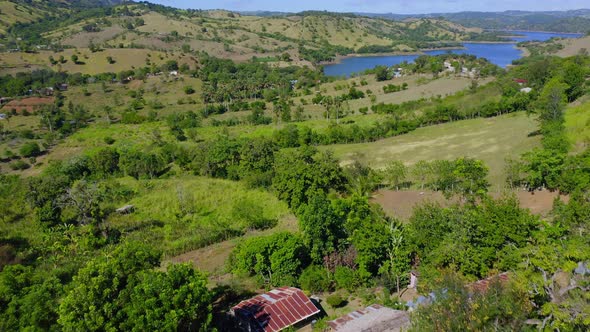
x=189, y=212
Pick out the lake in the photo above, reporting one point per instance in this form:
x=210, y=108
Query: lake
x=498, y=54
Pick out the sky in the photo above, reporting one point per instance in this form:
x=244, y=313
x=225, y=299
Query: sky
x=379, y=6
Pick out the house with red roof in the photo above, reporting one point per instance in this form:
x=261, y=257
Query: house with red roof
x=275, y=310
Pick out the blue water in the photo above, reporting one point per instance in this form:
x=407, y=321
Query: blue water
x=498, y=54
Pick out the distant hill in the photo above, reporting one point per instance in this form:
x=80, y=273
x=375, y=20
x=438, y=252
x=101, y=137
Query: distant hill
x=27, y=11
x=561, y=21
x=312, y=36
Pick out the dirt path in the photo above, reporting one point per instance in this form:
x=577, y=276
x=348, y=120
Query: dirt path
x=212, y=259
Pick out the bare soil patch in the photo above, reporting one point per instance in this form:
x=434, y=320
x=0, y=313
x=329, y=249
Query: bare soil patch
x=29, y=104
x=400, y=204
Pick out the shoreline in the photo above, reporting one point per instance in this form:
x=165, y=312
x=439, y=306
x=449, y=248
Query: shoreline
x=540, y=31
x=338, y=58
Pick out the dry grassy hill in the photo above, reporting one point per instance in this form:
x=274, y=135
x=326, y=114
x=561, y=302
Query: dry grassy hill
x=12, y=13
x=230, y=35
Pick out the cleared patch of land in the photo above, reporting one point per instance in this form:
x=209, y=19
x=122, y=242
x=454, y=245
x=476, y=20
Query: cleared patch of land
x=573, y=46
x=400, y=204
x=491, y=140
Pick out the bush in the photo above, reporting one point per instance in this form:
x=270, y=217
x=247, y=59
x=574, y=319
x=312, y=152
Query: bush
x=336, y=301
x=250, y=212
x=19, y=165
x=346, y=278
x=109, y=140
x=315, y=279
x=31, y=149
x=189, y=90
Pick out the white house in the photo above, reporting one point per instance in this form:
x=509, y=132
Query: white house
x=526, y=90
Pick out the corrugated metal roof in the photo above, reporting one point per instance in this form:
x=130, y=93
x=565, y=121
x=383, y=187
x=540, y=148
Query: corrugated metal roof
x=277, y=309
x=374, y=318
x=484, y=284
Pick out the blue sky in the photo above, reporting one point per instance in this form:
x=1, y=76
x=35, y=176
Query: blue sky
x=379, y=6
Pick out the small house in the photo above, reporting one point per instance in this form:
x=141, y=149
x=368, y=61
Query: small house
x=2, y=116
x=521, y=81
x=174, y=73
x=274, y=311
x=64, y=87
x=526, y=90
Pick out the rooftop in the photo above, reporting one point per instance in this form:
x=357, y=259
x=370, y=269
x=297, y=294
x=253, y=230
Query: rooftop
x=277, y=309
x=375, y=318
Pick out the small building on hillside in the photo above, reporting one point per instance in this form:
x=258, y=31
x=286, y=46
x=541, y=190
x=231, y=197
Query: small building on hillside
x=526, y=90
x=521, y=81
x=2, y=116
x=274, y=311
x=373, y=318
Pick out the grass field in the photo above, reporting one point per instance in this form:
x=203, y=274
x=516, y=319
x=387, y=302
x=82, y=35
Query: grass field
x=573, y=46
x=89, y=62
x=188, y=212
x=491, y=140
x=577, y=122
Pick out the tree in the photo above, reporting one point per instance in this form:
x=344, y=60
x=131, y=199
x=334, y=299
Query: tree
x=176, y=300
x=110, y=60
x=381, y=73
x=28, y=300
x=101, y=291
x=276, y=259
x=395, y=173
x=104, y=162
x=30, y=149
x=552, y=101
x=139, y=164
x=322, y=228
x=301, y=173
x=542, y=168
x=470, y=175
x=75, y=58
x=84, y=200
x=574, y=76
x=421, y=171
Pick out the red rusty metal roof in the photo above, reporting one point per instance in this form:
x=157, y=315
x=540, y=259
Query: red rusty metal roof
x=484, y=284
x=277, y=309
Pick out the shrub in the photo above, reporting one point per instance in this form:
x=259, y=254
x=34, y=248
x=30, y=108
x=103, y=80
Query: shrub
x=315, y=279
x=346, y=278
x=19, y=165
x=250, y=212
x=336, y=301
x=31, y=149
x=189, y=90
x=109, y=140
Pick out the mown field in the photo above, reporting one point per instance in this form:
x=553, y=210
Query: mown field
x=489, y=139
